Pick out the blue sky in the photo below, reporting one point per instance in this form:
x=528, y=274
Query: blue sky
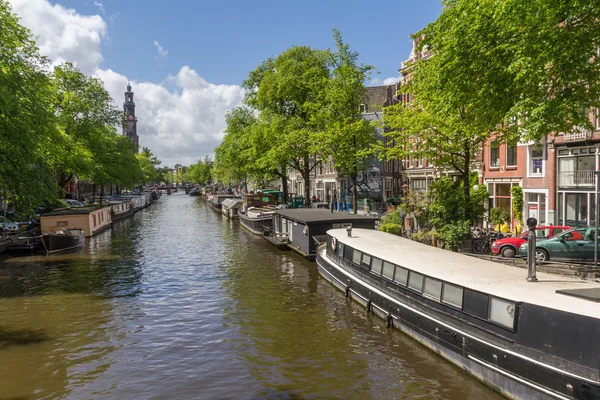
x=224, y=40
x=187, y=59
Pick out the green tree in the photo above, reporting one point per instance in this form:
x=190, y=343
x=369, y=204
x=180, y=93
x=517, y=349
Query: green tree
x=345, y=137
x=86, y=118
x=287, y=93
x=28, y=133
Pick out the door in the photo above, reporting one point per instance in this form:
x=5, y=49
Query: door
x=571, y=245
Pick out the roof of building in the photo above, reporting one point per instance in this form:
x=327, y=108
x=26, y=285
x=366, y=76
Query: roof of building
x=74, y=210
x=320, y=215
x=379, y=96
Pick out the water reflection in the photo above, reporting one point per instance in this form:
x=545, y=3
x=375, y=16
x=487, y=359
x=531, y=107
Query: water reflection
x=178, y=302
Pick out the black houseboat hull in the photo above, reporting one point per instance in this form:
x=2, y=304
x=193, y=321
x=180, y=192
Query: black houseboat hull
x=57, y=242
x=514, y=374
x=256, y=225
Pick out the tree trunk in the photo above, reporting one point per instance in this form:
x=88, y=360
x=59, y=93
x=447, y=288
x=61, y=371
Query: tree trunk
x=101, y=194
x=467, y=181
x=355, y=192
x=306, y=177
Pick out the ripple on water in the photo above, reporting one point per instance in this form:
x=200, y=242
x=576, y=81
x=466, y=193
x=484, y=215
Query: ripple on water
x=177, y=302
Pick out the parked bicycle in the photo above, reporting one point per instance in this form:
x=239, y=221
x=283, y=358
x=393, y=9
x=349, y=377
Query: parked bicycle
x=483, y=239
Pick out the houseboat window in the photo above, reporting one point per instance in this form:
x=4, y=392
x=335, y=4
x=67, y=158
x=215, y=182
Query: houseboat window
x=62, y=223
x=340, y=249
x=376, y=265
x=366, y=261
x=433, y=288
x=388, y=270
x=356, y=257
x=401, y=276
x=476, y=303
x=415, y=281
x=502, y=312
x=453, y=295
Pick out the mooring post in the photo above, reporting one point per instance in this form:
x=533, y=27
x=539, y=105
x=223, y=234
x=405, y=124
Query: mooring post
x=531, y=224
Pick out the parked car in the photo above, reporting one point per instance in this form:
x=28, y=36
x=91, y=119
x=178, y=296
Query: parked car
x=7, y=225
x=574, y=244
x=24, y=221
x=509, y=247
x=73, y=203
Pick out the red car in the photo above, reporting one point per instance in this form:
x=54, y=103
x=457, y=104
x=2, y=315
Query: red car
x=509, y=247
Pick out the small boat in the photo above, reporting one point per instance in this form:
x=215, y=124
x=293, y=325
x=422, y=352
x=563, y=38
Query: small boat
x=25, y=244
x=62, y=239
x=195, y=192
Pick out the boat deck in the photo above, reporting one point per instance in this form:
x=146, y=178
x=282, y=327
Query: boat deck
x=481, y=275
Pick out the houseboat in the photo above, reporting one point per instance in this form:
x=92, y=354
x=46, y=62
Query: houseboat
x=139, y=201
x=216, y=201
x=231, y=207
x=256, y=214
x=299, y=227
x=537, y=340
x=62, y=240
x=121, y=209
x=91, y=219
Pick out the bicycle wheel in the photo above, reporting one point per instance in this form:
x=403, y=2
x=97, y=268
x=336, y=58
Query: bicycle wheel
x=480, y=245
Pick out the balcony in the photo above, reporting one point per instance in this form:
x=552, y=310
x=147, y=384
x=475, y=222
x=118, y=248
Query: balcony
x=578, y=134
x=576, y=179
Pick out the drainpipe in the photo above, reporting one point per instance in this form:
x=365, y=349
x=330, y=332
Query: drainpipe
x=531, y=224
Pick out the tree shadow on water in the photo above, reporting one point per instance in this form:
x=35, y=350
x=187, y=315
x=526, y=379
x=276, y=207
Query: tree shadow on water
x=21, y=337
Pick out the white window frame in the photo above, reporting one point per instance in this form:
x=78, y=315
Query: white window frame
x=530, y=173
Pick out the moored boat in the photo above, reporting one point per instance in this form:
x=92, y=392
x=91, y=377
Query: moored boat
x=230, y=207
x=527, y=340
x=216, y=201
x=256, y=214
x=62, y=240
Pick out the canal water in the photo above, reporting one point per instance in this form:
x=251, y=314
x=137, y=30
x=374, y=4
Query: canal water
x=179, y=303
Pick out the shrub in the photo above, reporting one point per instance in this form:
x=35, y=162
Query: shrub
x=390, y=227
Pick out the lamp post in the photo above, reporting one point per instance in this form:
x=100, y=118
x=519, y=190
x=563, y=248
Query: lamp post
x=596, y=218
x=531, y=224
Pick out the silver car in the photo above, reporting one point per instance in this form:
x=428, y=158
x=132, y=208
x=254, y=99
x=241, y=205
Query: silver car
x=7, y=225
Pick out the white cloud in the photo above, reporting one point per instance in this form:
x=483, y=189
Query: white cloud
x=181, y=120
x=163, y=53
x=63, y=34
x=392, y=80
x=387, y=81
x=100, y=6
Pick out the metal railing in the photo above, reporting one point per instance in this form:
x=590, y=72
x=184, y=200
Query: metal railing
x=576, y=179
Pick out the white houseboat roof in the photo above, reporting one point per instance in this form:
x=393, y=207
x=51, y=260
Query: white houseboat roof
x=481, y=275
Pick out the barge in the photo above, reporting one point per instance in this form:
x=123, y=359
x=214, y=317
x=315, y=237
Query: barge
x=527, y=340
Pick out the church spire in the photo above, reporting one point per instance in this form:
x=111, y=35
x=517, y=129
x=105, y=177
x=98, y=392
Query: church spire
x=130, y=122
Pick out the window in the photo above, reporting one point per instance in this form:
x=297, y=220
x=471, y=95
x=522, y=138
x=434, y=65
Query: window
x=366, y=261
x=597, y=124
x=376, y=265
x=388, y=270
x=361, y=108
x=433, y=289
x=452, y=295
x=401, y=276
x=340, y=250
x=415, y=281
x=494, y=154
x=419, y=184
x=511, y=156
x=62, y=223
x=502, y=312
x=536, y=163
x=356, y=255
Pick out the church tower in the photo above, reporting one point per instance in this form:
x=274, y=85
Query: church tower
x=130, y=123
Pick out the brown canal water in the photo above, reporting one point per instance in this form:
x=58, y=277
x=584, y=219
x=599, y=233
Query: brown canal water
x=179, y=303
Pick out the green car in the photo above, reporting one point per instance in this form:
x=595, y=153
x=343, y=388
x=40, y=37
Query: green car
x=574, y=244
